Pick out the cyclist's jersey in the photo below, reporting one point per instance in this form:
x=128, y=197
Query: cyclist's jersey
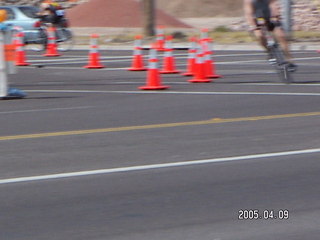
x=57, y=14
x=261, y=9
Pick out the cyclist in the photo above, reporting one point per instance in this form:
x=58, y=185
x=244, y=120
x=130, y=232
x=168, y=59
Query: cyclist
x=52, y=12
x=270, y=11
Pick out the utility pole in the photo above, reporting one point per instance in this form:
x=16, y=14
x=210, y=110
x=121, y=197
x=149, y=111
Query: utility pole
x=148, y=17
x=287, y=18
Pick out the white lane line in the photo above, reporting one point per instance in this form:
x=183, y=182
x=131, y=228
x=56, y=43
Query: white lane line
x=178, y=93
x=277, y=84
x=79, y=58
x=55, y=64
x=51, y=63
x=62, y=60
x=156, y=166
x=261, y=61
x=128, y=59
x=44, y=110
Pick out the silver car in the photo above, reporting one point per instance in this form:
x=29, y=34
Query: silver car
x=25, y=17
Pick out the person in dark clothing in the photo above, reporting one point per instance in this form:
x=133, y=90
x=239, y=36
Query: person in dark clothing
x=51, y=12
x=270, y=11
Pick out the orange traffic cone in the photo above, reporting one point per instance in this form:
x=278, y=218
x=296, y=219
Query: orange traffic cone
x=52, y=48
x=153, y=76
x=200, y=68
x=168, y=61
x=20, y=52
x=94, y=56
x=137, y=61
x=191, y=58
x=160, y=38
x=204, y=35
x=209, y=63
x=15, y=37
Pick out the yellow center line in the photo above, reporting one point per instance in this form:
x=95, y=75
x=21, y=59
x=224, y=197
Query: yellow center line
x=155, y=126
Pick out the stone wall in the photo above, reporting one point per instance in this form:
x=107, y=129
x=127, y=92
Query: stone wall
x=305, y=13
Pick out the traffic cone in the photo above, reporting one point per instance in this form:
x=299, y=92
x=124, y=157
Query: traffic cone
x=204, y=35
x=153, y=81
x=191, y=58
x=137, y=61
x=52, y=48
x=160, y=38
x=209, y=63
x=94, y=56
x=16, y=38
x=20, y=51
x=200, y=68
x=168, y=61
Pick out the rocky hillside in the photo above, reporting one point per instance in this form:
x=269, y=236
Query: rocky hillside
x=202, y=8
x=119, y=14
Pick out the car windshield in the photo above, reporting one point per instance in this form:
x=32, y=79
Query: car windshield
x=29, y=11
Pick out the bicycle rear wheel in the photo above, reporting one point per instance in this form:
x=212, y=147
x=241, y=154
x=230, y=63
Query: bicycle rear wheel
x=65, y=40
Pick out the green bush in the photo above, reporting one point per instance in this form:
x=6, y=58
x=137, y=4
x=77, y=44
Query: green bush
x=222, y=29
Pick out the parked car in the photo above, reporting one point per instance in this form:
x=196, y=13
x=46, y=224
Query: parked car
x=25, y=17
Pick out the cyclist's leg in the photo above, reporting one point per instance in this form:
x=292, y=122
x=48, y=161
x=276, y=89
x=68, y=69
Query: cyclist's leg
x=282, y=39
x=261, y=39
x=284, y=43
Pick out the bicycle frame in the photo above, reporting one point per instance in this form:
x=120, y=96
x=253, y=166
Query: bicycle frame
x=64, y=38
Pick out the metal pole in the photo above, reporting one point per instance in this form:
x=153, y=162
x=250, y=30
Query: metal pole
x=287, y=18
x=3, y=72
x=10, y=67
x=149, y=17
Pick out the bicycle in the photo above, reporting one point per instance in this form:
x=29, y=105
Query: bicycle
x=63, y=35
x=277, y=58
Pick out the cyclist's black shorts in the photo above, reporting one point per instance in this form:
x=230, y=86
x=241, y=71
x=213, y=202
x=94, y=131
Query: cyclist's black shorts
x=57, y=20
x=271, y=25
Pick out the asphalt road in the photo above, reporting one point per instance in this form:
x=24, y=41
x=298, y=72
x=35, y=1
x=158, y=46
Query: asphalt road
x=87, y=155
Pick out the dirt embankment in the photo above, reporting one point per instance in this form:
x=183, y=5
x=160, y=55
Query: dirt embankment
x=119, y=13
x=202, y=8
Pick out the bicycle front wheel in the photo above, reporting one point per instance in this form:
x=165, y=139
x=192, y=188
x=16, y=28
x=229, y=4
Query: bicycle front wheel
x=39, y=42
x=281, y=65
x=285, y=74
x=65, y=39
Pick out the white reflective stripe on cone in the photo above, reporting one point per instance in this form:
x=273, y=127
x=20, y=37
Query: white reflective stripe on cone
x=153, y=59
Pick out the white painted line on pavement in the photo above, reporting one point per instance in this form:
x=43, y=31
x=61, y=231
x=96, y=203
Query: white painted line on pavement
x=277, y=84
x=56, y=66
x=156, y=166
x=62, y=60
x=262, y=61
x=51, y=63
x=178, y=93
